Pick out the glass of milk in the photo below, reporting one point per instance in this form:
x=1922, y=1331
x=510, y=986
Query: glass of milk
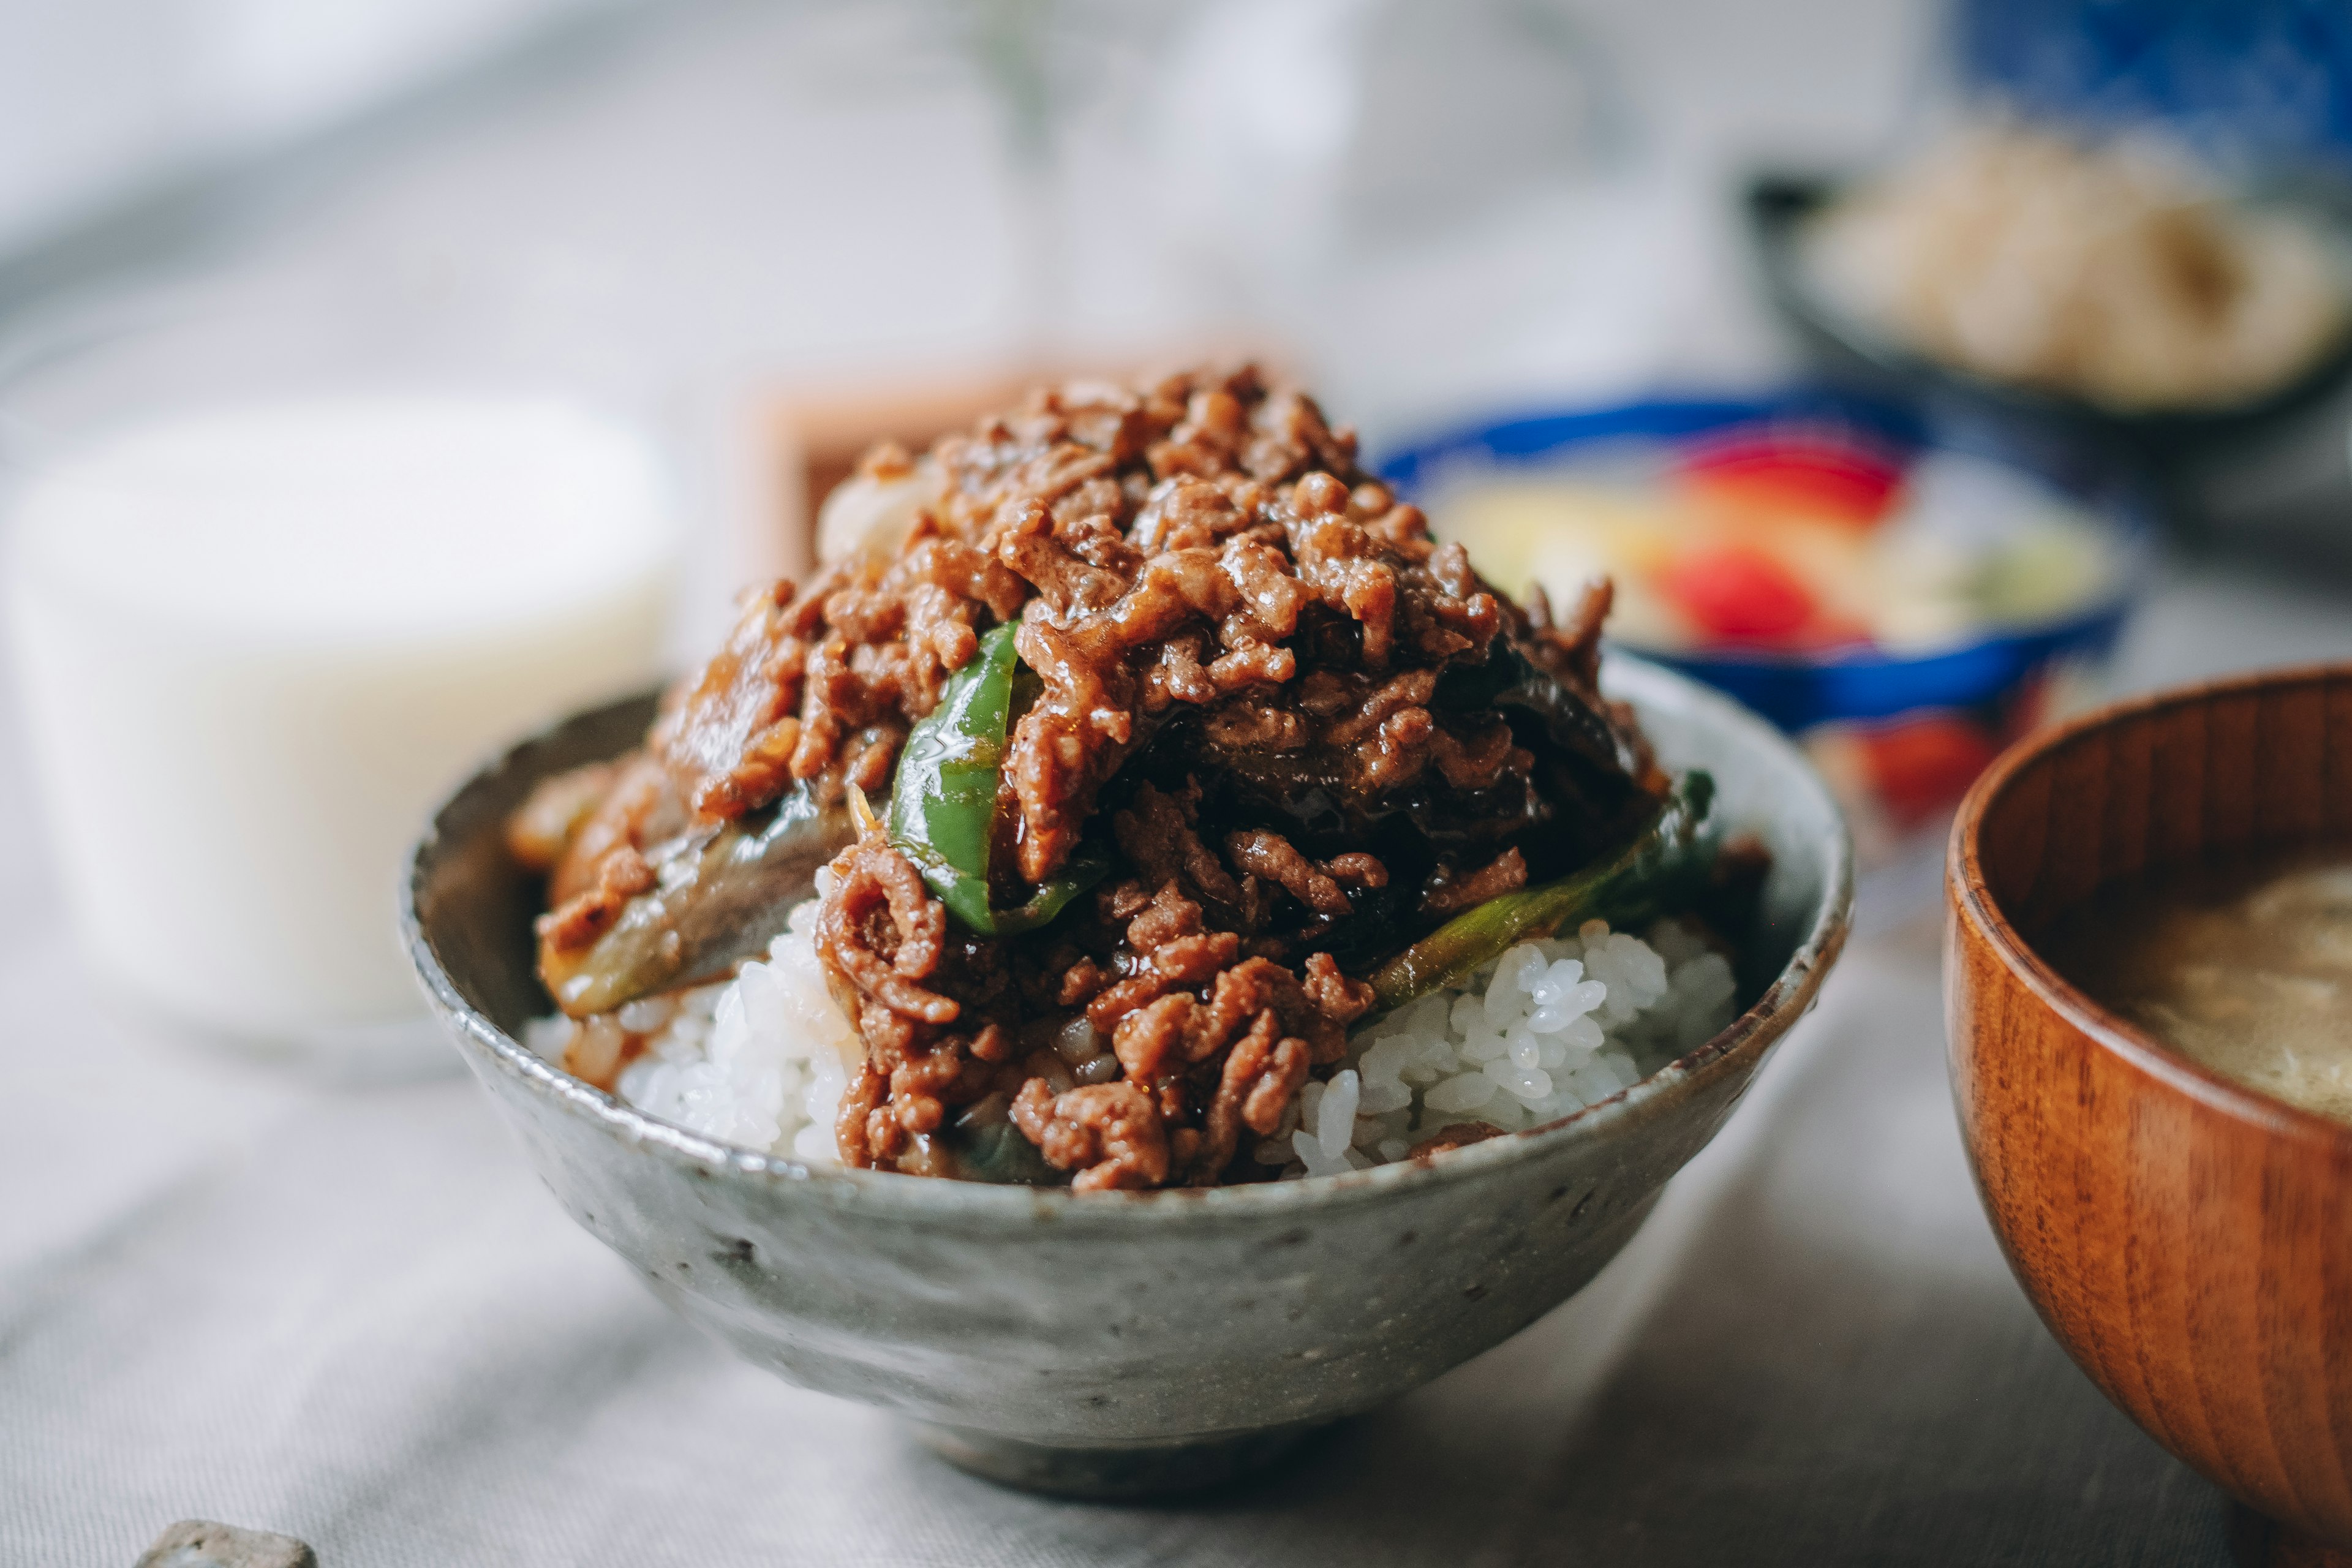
x=265, y=598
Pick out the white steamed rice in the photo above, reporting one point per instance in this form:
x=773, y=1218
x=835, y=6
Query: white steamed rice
x=761, y=1061
x=1547, y=1029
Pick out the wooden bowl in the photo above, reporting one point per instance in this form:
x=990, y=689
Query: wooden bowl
x=2189, y=1241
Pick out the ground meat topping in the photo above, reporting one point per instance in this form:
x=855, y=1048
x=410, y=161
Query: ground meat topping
x=1112, y=1135
x=1252, y=681
x=1270, y=855
x=1447, y=894
x=883, y=931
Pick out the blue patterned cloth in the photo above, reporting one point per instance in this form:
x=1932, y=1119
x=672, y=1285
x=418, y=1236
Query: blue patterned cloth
x=2248, y=82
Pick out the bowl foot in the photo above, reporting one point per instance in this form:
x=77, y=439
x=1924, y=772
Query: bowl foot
x=1111, y=1472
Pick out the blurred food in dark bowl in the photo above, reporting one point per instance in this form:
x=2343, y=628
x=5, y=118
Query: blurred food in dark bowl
x=2110, y=292
x=2114, y=273
x=1903, y=603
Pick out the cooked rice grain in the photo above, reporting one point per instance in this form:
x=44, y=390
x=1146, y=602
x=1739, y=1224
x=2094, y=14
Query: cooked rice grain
x=1547, y=1029
x=761, y=1061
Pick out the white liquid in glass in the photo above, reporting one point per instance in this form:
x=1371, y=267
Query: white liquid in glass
x=255, y=644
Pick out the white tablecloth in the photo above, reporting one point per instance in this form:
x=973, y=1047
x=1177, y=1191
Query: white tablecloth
x=355, y=1317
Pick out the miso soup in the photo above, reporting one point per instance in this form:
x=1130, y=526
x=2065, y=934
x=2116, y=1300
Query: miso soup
x=2243, y=965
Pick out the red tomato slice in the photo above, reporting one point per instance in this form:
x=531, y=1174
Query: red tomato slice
x=1921, y=764
x=1736, y=593
x=1785, y=473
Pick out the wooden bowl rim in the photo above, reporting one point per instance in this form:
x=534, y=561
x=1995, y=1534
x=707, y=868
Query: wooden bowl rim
x=2110, y=1032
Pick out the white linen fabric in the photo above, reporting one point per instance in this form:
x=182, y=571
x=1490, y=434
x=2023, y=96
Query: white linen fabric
x=357, y=1317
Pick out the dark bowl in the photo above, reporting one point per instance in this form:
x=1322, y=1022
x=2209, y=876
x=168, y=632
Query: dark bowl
x=1779, y=205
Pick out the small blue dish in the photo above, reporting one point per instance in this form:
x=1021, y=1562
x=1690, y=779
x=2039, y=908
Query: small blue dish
x=1800, y=690
x=1898, y=735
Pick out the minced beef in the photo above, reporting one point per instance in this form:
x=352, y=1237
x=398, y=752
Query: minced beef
x=1302, y=730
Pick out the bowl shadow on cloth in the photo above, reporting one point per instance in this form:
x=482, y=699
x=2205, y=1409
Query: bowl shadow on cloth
x=1120, y=1344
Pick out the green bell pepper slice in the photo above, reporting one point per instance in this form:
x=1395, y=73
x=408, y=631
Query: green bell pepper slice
x=1663, y=867
x=943, y=799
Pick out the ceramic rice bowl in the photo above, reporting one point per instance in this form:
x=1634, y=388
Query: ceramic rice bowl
x=1120, y=1343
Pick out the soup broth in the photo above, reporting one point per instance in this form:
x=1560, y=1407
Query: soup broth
x=2245, y=967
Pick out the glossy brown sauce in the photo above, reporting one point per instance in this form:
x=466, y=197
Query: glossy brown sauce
x=2243, y=965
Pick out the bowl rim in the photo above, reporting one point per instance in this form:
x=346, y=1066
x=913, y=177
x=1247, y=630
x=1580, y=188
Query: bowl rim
x=1789, y=994
x=1972, y=897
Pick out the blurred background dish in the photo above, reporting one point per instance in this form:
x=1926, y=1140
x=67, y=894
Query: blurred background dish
x=2123, y=230
x=277, y=568
x=2245, y=85
x=1906, y=605
x=2110, y=274
x=2182, y=322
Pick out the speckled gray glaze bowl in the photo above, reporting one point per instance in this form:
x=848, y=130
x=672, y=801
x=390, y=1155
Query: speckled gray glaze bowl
x=1120, y=1343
